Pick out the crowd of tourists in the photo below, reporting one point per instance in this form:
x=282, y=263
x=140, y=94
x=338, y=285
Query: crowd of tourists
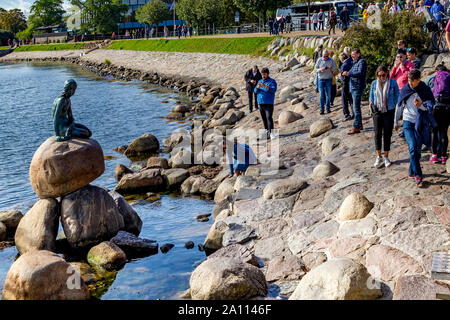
x=281, y=25
x=397, y=93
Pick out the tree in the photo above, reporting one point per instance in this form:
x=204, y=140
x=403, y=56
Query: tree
x=13, y=20
x=260, y=7
x=208, y=11
x=153, y=12
x=379, y=46
x=101, y=16
x=217, y=12
x=46, y=13
x=186, y=10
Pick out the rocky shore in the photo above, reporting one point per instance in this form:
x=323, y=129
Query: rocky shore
x=326, y=224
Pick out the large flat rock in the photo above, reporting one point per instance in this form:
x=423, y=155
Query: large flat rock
x=59, y=168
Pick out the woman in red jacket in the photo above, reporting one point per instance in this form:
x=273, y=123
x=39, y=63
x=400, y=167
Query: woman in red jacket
x=401, y=69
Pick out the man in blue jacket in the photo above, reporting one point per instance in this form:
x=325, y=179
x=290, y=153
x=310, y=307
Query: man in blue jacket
x=357, y=75
x=437, y=11
x=265, y=94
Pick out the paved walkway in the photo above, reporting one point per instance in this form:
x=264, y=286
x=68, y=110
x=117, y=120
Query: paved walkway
x=261, y=34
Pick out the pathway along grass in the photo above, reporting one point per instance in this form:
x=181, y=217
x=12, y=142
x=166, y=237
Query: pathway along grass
x=250, y=45
x=51, y=47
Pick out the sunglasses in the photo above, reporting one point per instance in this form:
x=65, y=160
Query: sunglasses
x=383, y=75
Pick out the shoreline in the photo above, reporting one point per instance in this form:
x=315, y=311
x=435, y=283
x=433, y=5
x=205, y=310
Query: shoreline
x=297, y=224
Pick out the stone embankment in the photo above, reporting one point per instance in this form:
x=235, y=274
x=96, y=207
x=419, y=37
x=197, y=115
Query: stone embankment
x=322, y=224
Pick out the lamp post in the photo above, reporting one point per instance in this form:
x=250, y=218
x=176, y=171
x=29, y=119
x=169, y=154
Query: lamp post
x=118, y=26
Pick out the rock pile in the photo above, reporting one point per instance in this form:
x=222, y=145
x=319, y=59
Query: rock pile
x=90, y=216
x=290, y=49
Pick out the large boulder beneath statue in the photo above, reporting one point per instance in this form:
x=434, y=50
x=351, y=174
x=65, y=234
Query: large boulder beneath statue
x=337, y=279
x=90, y=216
x=132, y=221
x=223, y=278
x=39, y=227
x=142, y=147
x=43, y=275
x=59, y=168
x=149, y=180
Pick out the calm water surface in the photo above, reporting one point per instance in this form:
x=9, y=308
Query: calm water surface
x=116, y=112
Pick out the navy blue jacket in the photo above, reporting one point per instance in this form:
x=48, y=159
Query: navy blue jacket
x=346, y=66
x=345, y=16
x=424, y=118
x=357, y=75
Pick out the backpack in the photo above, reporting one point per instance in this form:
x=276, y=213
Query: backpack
x=441, y=88
x=333, y=18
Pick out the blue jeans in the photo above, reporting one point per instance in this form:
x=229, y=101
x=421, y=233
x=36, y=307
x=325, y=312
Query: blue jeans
x=415, y=148
x=356, y=97
x=325, y=93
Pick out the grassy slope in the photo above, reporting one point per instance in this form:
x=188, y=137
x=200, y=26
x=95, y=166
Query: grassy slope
x=51, y=47
x=4, y=48
x=251, y=45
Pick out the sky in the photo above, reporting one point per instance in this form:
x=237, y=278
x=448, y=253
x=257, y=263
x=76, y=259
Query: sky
x=24, y=5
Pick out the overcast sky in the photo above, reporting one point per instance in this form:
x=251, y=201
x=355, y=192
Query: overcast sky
x=24, y=5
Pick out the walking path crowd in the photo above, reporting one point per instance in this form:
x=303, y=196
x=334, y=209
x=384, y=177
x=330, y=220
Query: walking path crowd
x=398, y=93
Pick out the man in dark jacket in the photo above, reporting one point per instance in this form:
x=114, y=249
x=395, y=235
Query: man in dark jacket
x=270, y=24
x=345, y=18
x=288, y=23
x=346, y=65
x=251, y=79
x=357, y=74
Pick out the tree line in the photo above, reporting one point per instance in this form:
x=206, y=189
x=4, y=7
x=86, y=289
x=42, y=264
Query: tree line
x=102, y=16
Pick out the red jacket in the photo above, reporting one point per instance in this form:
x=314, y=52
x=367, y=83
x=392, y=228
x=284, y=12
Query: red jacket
x=400, y=74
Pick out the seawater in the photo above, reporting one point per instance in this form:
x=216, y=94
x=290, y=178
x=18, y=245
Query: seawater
x=116, y=112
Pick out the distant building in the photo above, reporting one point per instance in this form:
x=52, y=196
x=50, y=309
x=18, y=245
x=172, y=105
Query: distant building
x=129, y=22
x=50, y=34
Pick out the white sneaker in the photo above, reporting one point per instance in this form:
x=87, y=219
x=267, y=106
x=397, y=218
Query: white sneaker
x=272, y=136
x=378, y=162
x=387, y=162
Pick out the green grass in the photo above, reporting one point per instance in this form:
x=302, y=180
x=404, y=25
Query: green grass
x=51, y=47
x=4, y=48
x=251, y=45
